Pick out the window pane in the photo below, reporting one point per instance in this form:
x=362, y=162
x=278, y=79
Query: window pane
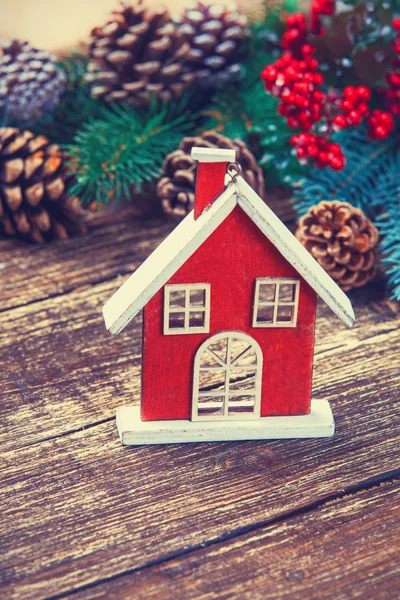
x=196, y=319
x=210, y=406
x=284, y=314
x=287, y=292
x=197, y=297
x=265, y=314
x=242, y=380
x=176, y=320
x=214, y=377
x=177, y=299
x=220, y=349
x=266, y=292
x=241, y=405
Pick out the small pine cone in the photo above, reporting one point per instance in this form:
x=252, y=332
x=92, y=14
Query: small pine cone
x=137, y=53
x=176, y=189
x=215, y=34
x=33, y=179
x=30, y=82
x=342, y=239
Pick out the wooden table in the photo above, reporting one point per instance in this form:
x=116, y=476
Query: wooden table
x=82, y=516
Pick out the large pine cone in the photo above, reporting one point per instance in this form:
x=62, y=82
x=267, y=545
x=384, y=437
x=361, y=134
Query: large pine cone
x=215, y=34
x=137, y=53
x=342, y=239
x=33, y=179
x=30, y=82
x=176, y=189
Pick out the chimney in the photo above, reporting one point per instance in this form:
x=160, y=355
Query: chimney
x=211, y=171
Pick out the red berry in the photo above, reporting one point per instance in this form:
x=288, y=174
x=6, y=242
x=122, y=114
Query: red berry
x=387, y=121
x=354, y=117
x=335, y=149
x=312, y=150
x=347, y=105
x=396, y=24
x=336, y=162
x=293, y=122
x=283, y=110
x=323, y=157
x=307, y=49
x=318, y=79
x=301, y=153
x=350, y=93
x=339, y=122
x=393, y=79
x=363, y=108
x=318, y=96
x=380, y=132
x=363, y=93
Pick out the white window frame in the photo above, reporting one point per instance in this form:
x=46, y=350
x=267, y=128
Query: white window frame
x=277, y=281
x=225, y=392
x=187, y=308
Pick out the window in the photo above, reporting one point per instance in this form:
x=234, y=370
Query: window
x=227, y=378
x=276, y=302
x=187, y=308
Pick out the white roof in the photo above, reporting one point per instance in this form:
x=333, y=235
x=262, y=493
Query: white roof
x=188, y=236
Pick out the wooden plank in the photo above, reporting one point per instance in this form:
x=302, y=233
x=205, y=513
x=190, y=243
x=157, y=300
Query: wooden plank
x=80, y=508
x=117, y=244
x=344, y=549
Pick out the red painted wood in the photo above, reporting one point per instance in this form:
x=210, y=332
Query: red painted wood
x=230, y=260
x=210, y=183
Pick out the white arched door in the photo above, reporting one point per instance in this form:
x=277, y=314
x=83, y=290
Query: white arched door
x=227, y=378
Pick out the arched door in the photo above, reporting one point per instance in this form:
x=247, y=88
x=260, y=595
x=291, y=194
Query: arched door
x=227, y=378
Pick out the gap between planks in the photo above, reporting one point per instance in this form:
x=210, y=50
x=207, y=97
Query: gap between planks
x=360, y=487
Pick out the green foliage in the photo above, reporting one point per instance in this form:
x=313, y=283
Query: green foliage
x=388, y=225
x=123, y=147
x=370, y=181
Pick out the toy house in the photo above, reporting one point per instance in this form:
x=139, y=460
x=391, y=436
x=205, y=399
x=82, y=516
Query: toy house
x=229, y=308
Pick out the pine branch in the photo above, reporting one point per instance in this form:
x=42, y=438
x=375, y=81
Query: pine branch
x=389, y=226
x=125, y=147
x=360, y=182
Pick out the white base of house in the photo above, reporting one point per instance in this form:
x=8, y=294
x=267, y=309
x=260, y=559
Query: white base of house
x=135, y=432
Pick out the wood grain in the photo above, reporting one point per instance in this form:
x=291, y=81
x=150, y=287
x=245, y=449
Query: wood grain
x=77, y=508
x=300, y=557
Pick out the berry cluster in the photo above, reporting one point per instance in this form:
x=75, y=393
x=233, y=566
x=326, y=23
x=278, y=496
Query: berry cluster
x=318, y=8
x=319, y=149
x=392, y=95
x=354, y=106
x=295, y=79
x=380, y=125
x=296, y=32
x=295, y=82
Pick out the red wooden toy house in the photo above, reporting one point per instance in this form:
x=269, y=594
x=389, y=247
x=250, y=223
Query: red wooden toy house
x=229, y=303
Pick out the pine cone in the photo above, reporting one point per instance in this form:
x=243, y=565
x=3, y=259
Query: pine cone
x=342, y=239
x=139, y=52
x=215, y=34
x=30, y=83
x=177, y=188
x=33, y=178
